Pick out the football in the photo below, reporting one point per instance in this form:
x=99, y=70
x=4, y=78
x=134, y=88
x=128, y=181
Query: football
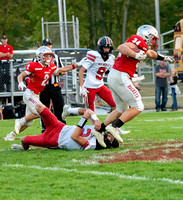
x=137, y=50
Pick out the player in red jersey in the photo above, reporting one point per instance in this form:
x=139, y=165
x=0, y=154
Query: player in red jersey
x=119, y=78
x=39, y=73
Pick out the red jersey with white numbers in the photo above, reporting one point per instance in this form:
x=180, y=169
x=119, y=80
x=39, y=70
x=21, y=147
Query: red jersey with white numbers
x=6, y=49
x=128, y=64
x=39, y=75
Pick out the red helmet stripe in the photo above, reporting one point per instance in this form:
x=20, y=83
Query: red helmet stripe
x=107, y=40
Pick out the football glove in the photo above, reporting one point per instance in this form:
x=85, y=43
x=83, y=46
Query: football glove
x=169, y=59
x=141, y=55
x=21, y=86
x=83, y=91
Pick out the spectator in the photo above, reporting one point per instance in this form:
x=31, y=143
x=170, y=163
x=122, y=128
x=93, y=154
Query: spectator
x=6, y=53
x=162, y=72
x=174, y=90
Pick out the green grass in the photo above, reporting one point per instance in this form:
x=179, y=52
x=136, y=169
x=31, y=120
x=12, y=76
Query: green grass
x=79, y=175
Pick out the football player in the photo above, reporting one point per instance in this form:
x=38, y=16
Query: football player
x=137, y=48
x=96, y=63
x=59, y=135
x=39, y=74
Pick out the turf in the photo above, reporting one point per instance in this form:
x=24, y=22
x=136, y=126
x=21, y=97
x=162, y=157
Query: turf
x=82, y=175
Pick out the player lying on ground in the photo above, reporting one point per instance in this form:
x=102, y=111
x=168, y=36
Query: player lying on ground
x=39, y=74
x=59, y=135
x=67, y=111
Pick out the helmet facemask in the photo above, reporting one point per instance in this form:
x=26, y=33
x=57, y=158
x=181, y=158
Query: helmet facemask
x=150, y=36
x=41, y=52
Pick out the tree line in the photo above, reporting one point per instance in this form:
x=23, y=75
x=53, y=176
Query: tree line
x=118, y=19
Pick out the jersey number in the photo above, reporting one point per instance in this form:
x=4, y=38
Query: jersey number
x=135, y=41
x=46, y=77
x=100, y=73
x=86, y=134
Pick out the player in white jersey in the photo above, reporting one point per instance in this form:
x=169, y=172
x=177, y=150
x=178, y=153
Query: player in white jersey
x=59, y=135
x=96, y=63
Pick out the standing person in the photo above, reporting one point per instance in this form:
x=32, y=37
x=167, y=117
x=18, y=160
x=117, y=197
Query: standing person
x=52, y=91
x=39, y=74
x=162, y=72
x=6, y=53
x=96, y=63
x=174, y=89
x=134, y=50
x=58, y=135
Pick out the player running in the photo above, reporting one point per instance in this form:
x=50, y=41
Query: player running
x=96, y=63
x=39, y=74
x=137, y=48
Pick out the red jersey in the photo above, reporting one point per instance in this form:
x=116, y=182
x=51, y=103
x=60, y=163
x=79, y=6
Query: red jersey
x=127, y=64
x=6, y=49
x=39, y=75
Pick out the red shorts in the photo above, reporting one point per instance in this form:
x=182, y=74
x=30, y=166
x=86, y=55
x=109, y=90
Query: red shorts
x=49, y=138
x=103, y=92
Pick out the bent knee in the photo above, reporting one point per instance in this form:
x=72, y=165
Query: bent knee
x=39, y=107
x=140, y=107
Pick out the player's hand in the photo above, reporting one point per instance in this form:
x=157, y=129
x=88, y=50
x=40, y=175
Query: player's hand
x=97, y=124
x=21, y=86
x=169, y=58
x=141, y=55
x=83, y=91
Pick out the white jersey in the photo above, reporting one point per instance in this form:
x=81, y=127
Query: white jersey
x=66, y=142
x=96, y=67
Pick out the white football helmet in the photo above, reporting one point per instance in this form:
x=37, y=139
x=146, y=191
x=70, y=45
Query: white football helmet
x=41, y=52
x=150, y=35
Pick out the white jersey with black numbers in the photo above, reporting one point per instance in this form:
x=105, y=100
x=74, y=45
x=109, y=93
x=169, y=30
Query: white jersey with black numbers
x=96, y=67
x=66, y=142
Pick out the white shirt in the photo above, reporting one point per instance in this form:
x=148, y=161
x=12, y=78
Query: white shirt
x=66, y=142
x=96, y=67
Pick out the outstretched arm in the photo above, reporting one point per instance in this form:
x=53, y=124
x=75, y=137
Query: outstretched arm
x=76, y=134
x=65, y=69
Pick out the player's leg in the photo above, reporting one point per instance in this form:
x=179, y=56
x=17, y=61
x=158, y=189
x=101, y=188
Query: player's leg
x=74, y=111
x=91, y=98
x=58, y=103
x=45, y=99
x=105, y=94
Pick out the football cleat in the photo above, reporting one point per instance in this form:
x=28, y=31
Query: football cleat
x=99, y=136
x=65, y=112
x=10, y=136
x=17, y=147
x=115, y=132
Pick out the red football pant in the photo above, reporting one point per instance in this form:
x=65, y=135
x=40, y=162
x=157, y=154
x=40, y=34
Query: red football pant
x=103, y=92
x=49, y=138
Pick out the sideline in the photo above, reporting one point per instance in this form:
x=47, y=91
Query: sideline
x=121, y=176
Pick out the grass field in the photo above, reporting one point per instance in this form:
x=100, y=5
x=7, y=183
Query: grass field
x=147, y=166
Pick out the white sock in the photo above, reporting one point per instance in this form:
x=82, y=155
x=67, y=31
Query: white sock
x=73, y=111
x=23, y=121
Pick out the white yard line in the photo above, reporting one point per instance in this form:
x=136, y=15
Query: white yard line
x=122, y=176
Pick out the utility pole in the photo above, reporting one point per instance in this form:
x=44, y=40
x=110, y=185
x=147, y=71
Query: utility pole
x=157, y=16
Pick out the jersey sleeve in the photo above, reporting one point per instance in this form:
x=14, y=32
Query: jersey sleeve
x=138, y=41
x=88, y=60
x=30, y=68
x=11, y=50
